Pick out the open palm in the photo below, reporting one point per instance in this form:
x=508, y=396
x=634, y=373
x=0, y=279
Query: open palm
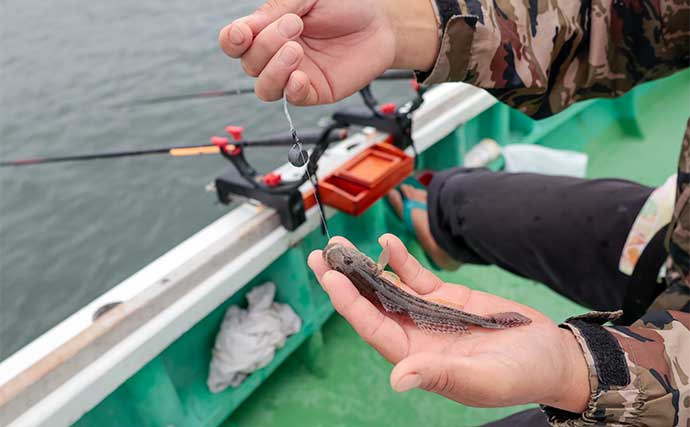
x=487, y=367
x=339, y=47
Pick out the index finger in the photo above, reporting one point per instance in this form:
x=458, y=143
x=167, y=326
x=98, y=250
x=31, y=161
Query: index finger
x=235, y=39
x=408, y=268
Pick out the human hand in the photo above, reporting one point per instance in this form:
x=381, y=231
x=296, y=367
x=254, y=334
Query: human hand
x=536, y=363
x=321, y=51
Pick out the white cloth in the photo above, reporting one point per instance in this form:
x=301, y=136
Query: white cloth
x=248, y=339
x=544, y=160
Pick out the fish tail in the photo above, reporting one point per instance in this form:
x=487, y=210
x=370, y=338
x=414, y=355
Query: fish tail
x=509, y=320
x=430, y=324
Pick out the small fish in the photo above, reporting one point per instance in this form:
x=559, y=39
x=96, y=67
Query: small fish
x=378, y=286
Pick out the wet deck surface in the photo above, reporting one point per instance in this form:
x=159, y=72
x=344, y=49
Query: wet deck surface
x=351, y=387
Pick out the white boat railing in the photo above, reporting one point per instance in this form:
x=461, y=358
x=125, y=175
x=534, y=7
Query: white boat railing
x=68, y=370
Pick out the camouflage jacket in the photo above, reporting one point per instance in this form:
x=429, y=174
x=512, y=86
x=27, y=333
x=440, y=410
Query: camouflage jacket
x=540, y=57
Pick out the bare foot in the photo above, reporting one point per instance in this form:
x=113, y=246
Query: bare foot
x=420, y=221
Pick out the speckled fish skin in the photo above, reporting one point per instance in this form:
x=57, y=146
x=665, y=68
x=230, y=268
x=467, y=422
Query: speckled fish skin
x=367, y=277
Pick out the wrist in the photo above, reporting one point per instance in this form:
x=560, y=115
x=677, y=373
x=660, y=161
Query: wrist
x=417, y=38
x=572, y=391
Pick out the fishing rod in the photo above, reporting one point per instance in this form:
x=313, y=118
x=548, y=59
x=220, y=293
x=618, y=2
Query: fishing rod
x=309, y=137
x=387, y=75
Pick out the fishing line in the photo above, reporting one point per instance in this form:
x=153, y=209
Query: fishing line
x=298, y=156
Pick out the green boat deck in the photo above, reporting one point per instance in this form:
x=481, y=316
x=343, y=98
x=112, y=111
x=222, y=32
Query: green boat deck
x=326, y=375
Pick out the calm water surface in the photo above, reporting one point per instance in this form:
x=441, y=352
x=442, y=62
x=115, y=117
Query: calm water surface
x=69, y=232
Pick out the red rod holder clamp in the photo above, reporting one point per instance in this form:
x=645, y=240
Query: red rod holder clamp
x=235, y=131
x=272, y=179
x=220, y=141
x=388, y=108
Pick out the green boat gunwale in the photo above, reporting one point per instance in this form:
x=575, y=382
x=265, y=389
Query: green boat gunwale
x=71, y=368
x=140, y=356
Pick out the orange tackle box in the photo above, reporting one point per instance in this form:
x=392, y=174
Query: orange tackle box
x=362, y=180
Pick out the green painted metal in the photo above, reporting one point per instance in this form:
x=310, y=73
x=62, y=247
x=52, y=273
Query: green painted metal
x=153, y=396
x=337, y=380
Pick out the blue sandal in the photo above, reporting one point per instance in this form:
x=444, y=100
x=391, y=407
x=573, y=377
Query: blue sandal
x=408, y=206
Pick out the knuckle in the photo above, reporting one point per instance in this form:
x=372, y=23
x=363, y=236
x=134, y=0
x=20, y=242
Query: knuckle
x=416, y=269
x=347, y=306
x=431, y=281
x=443, y=382
x=250, y=68
x=370, y=336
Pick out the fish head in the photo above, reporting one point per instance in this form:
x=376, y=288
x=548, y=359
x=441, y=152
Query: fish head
x=344, y=259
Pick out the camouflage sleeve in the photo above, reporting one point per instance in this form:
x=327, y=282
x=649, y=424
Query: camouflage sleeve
x=639, y=374
x=542, y=56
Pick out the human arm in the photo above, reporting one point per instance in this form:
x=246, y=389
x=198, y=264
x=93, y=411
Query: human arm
x=538, y=57
x=487, y=367
x=581, y=373
x=320, y=51
x=541, y=57
x=639, y=374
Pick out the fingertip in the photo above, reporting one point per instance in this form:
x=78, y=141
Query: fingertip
x=406, y=382
x=390, y=239
x=341, y=240
x=317, y=264
x=299, y=89
x=223, y=38
x=396, y=246
x=296, y=88
x=336, y=284
x=408, y=373
x=235, y=39
x=313, y=257
x=290, y=26
x=338, y=239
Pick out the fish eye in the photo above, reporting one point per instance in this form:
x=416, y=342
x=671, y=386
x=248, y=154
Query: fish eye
x=347, y=260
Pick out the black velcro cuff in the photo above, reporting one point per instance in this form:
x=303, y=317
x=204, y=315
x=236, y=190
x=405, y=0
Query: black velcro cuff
x=607, y=354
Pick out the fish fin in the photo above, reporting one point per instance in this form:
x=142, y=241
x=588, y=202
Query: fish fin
x=509, y=320
x=428, y=324
x=387, y=304
x=384, y=257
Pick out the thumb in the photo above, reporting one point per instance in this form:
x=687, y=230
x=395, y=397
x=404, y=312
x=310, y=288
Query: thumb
x=274, y=9
x=428, y=371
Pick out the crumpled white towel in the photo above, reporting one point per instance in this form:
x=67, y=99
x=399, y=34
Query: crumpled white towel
x=248, y=339
x=548, y=161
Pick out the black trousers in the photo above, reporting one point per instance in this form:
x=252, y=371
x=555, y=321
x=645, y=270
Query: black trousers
x=565, y=232
x=528, y=418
